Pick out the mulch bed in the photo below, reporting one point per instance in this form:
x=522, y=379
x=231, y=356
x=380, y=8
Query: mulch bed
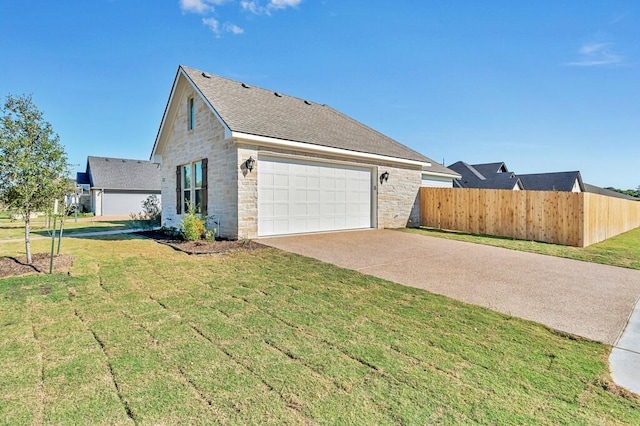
x=202, y=246
x=14, y=266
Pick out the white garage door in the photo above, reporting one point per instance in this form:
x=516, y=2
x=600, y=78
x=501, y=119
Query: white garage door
x=299, y=196
x=114, y=203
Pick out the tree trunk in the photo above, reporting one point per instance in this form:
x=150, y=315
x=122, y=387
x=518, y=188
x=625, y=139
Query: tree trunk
x=27, y=241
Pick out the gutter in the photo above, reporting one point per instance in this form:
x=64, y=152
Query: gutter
x=304, y=146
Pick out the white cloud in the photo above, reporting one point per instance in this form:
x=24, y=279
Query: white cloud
x=597, y=54
x=199, y=6
x=282, y=4
x=214, y=25
x=208, y=7
x=232, y=28
x=251, y=6
x=257, y=8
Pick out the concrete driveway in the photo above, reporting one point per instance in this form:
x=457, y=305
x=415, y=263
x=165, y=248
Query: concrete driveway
x=585, y=299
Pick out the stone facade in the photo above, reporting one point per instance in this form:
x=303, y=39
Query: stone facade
x=206, y=140
x=398, y=198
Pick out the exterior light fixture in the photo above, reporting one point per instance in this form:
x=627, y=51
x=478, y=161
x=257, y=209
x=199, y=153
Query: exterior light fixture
x=250, y=163
x=384, y=177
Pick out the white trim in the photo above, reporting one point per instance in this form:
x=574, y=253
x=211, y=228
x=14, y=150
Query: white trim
x=439, y=174
x=304, y=146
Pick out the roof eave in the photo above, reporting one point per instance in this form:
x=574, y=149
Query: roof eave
x=441, y=174
x=304, y=146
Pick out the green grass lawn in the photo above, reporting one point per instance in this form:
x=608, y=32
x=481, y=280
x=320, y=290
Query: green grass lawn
x=140, y=333
x=622, y=250
x=12, y=229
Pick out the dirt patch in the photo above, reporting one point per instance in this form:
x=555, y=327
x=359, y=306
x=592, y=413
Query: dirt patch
x=201, y=247
x=14, y=266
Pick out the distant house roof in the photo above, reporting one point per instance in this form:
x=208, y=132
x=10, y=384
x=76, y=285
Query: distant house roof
x=609, y=193
x=120, y=173
x=489, y=169
x=83, y=178
x=485, y=176
x=557, y=181
x=260, y=112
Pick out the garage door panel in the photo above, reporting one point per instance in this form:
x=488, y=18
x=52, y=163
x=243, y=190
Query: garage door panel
x=280, y=210
x=298, y=197
x=281, y=196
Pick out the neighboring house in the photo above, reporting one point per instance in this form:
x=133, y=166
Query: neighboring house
x=118, y=186
x=497, y=176
x=485, y=176
x=556, y=181
x=262, y=163
x=609, y=193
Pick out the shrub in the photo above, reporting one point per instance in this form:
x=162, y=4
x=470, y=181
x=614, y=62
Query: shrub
x=151, y=214
x=192, y=225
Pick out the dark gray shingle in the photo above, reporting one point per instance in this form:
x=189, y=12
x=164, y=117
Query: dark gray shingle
x=557, y=181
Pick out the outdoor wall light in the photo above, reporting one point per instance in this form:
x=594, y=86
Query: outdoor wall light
x=250, y=163
x=384, y=177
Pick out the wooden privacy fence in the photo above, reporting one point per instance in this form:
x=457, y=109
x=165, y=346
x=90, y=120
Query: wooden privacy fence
x=568, y=218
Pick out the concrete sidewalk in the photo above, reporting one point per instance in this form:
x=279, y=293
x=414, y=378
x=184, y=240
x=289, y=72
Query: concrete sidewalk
x=625, y=356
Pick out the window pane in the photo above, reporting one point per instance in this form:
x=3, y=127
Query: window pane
x=186, y=176
x=186, y=197
x=198, y=171
x=192, y=115
x=198, y=200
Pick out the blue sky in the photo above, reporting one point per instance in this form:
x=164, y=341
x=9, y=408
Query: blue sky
x=544, y=86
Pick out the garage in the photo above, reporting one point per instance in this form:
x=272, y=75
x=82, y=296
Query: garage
x=296, y=196
x=123, y=203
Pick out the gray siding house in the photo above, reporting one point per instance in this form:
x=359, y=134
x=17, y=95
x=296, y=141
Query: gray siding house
x=263, y=163
x=118, y=186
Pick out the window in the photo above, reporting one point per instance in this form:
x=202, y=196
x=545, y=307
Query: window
x=191, y=113
x=192, y=186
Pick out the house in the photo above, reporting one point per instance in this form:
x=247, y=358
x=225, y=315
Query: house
x=497, y=176
x=485, y=176
x=118, y=186
x=557, y=181
x=259, y=163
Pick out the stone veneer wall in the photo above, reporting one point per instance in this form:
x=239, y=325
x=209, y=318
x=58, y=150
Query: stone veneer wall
x=206, y=140
x=399, y=198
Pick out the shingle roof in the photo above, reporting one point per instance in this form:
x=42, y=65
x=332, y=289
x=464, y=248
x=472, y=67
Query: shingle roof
x=490, y=179
x=260, y=112
x=83, y=178
x=489, y=169
x=558, y=181
x=609, y=193
x=120, y=173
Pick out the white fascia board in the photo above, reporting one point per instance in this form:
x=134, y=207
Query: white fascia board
x=438, y=174
x=303, y=146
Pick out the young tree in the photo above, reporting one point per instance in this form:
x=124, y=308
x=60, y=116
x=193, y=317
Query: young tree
x=33, y=163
